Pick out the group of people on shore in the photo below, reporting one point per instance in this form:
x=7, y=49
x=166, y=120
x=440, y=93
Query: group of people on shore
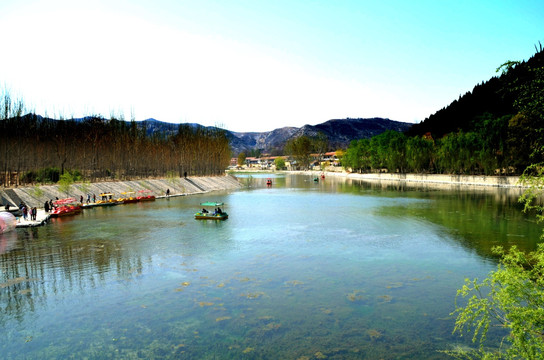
x=29, y=213
x=48, y=205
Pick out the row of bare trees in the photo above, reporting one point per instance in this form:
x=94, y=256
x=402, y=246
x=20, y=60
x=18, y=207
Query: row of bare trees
x=100, y=149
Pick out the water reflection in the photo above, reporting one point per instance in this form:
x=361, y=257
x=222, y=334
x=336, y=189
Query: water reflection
x=47, y=266
x=478, y=217
x=8, y=242
x=476, y=220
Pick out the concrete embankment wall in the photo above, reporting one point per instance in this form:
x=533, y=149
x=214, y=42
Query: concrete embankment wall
x=36, y=196
x=462, y=180
x=439, y=179
x=509, y=185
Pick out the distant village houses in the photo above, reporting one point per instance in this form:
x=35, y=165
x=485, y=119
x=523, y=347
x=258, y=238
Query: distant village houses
x=267, y=162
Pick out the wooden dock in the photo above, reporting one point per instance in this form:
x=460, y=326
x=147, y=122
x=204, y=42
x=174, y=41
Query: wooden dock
x=41, y=219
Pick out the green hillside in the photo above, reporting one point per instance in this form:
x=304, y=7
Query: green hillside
x=498, y=128
x=495, y=98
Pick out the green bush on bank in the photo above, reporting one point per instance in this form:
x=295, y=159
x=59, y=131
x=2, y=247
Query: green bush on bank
x=51, y=175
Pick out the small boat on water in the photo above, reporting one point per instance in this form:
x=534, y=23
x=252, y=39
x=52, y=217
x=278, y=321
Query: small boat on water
x=217, y=214
x=65, y=207
x=106, y=199
x=145, y=195
x=269, y=182
x=128, y=198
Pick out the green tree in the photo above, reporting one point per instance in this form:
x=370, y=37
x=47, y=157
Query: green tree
x=320, y=144
x=387, y=150
x=300, y=149
x=280, y=163
x=493, y=133
x=533, y=179
x=256, y=153
x=523, y=140
x=65, y=182
x=357, y=155
x=397, y=151
x=512, y=298
x=459, y=153
x=419, y=154
x=241, y=158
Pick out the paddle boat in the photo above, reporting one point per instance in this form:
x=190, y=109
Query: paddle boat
x=128, y=197
x=145, y=195
x=65, y=207
x=106, y=199
x=269, y=182
x=217, y=214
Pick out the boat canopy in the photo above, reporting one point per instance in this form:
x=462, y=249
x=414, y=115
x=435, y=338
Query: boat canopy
x=65, y=201
x=210, y=203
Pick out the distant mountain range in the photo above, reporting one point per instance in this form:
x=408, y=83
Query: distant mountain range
x=339, y=132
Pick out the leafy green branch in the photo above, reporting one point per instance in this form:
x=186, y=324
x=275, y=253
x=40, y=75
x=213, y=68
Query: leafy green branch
x=511, y=298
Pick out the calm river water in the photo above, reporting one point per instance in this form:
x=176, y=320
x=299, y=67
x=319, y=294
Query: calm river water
x=303, y=270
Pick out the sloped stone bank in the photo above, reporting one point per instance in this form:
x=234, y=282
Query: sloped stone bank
x=36, y=196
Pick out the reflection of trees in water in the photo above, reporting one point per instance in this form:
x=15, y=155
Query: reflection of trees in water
x=502, y=192
x=39, y=267
x=476, y=217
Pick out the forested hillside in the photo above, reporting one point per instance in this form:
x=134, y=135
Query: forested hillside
x=498, y=128
x=494, y=98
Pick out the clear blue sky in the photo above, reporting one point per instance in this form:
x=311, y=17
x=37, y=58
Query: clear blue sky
x=257, y=65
